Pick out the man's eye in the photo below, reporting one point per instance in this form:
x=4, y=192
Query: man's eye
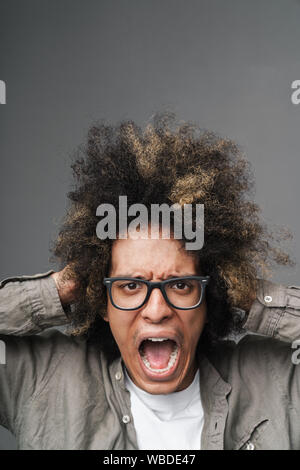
x=130, y=286
x=180, y=285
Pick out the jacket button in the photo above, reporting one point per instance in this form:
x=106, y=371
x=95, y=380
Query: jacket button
x=118, y=375
x=250, y=446
x=268, y=298
x=126, y=419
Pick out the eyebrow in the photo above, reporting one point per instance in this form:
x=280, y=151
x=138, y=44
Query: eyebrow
x=139, y=276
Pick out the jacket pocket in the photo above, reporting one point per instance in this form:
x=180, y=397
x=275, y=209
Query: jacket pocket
x=255, y=438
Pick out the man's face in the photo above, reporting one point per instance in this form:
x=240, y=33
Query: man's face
x=156, y=260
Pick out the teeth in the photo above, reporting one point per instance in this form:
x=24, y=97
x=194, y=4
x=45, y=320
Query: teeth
x=157, y=339
x=171, y=362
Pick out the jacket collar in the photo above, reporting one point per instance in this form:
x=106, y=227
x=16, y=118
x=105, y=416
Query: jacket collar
x=225, y=426
x=214, y=392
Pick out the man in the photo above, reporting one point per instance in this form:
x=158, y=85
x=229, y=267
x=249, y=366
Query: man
x=147, y=364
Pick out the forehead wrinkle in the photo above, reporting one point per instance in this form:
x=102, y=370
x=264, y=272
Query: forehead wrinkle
x=150, y=260
x=157, y=270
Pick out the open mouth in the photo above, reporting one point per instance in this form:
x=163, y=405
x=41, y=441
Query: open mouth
x=159, y=356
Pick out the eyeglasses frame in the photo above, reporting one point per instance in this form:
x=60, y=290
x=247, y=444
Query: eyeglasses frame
x=108, y=281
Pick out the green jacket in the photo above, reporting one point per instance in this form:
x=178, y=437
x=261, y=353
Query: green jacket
x=58, y=392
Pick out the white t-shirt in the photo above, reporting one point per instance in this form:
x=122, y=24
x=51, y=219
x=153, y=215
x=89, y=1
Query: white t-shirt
x=172, y=421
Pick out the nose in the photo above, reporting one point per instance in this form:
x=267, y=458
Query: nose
x=156, y=309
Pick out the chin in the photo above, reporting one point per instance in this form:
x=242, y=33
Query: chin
x=160, y=388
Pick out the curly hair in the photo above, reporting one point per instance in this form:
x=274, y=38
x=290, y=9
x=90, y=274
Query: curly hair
x=167, y=162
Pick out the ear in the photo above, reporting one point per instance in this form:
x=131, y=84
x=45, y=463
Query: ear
x=105, y=317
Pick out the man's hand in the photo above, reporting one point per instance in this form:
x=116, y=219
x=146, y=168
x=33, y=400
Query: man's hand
x=66, y=285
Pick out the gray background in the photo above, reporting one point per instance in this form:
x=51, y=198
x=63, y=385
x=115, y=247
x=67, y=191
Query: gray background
x=228, y=64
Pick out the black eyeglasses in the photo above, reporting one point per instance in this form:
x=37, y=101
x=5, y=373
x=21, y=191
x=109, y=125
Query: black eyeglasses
x=183, y=293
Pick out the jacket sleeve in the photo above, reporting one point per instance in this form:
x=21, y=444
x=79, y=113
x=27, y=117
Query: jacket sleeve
x=28, y=305
x=275, y=312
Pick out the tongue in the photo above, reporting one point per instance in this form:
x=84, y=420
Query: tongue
x=158, y=352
